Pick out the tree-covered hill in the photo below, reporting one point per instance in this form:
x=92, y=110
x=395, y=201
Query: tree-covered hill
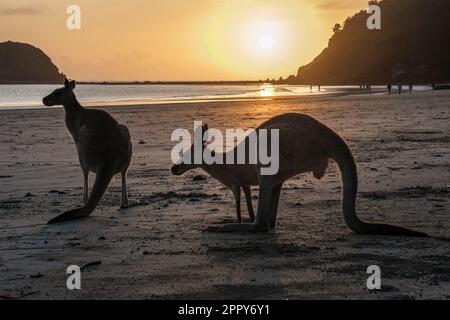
x=412, y=45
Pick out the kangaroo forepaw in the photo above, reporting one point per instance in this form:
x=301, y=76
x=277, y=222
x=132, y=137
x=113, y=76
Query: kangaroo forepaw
x=235, y=227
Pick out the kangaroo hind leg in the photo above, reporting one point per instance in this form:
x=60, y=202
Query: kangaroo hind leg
x=237, y=198
x=126, y=202
x=86, y=186
x=274, y=205
x=248, y=200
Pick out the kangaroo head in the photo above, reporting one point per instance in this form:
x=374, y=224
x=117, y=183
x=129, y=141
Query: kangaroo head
x=60, y=96
x=182, y=168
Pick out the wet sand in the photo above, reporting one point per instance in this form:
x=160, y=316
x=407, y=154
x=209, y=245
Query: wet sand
x=159, y=249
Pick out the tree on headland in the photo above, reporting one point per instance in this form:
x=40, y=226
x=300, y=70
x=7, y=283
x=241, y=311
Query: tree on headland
x=337, y=27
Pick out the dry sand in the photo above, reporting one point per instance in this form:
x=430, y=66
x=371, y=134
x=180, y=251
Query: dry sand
x=159, y=250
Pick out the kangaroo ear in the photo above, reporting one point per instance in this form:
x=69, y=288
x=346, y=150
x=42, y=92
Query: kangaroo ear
x=73, y=84
x=66, y=83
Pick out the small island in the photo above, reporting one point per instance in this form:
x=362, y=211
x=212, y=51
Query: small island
x=21, y=63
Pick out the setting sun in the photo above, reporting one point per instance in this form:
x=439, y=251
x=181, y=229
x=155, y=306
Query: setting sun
x=266, y=42
x=178, y=40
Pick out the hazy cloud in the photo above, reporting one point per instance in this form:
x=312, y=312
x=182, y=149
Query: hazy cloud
x=21, y=11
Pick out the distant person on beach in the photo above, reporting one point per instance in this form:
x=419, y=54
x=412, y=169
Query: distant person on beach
x=400, y=89
x=389, y=88
x=319, y=87
x=411, y=86
x=310, y=88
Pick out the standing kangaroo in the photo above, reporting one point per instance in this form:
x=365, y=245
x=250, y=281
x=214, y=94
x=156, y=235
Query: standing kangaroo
x=103, y=146
x=305, y=145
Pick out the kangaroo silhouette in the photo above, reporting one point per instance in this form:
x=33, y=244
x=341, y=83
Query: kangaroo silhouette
x=229, y=178
x=104, y=148
x=305, y=145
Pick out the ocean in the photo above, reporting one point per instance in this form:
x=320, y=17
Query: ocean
x=30, y=96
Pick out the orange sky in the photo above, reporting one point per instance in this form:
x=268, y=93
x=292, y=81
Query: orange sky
x=177, y=39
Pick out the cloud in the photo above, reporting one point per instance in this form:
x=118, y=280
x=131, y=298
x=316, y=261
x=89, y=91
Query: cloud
x=22, y=11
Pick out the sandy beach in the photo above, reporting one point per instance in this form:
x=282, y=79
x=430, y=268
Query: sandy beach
x=160, y=249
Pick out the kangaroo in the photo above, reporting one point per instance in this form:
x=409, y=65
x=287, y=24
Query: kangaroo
x=305, y=145
x=229, y=178
x=103, y=146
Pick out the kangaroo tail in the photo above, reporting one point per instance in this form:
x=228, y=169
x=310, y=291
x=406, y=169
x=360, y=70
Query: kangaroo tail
x=344, y=158
x=101, y=183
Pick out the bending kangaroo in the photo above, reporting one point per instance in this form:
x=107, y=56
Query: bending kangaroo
x=103, y=146
x=229, y=178
x=305, y=145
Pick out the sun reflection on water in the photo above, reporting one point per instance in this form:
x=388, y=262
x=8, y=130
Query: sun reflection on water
x=267, y=90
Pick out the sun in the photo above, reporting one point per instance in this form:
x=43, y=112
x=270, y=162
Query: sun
x=266, y=42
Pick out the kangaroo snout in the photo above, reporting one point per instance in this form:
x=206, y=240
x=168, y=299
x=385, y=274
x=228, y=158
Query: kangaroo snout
x=46, y=102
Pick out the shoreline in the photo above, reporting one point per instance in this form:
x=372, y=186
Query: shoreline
x=333, y=93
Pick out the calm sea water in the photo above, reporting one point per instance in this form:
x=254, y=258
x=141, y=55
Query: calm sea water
x=30, y=96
